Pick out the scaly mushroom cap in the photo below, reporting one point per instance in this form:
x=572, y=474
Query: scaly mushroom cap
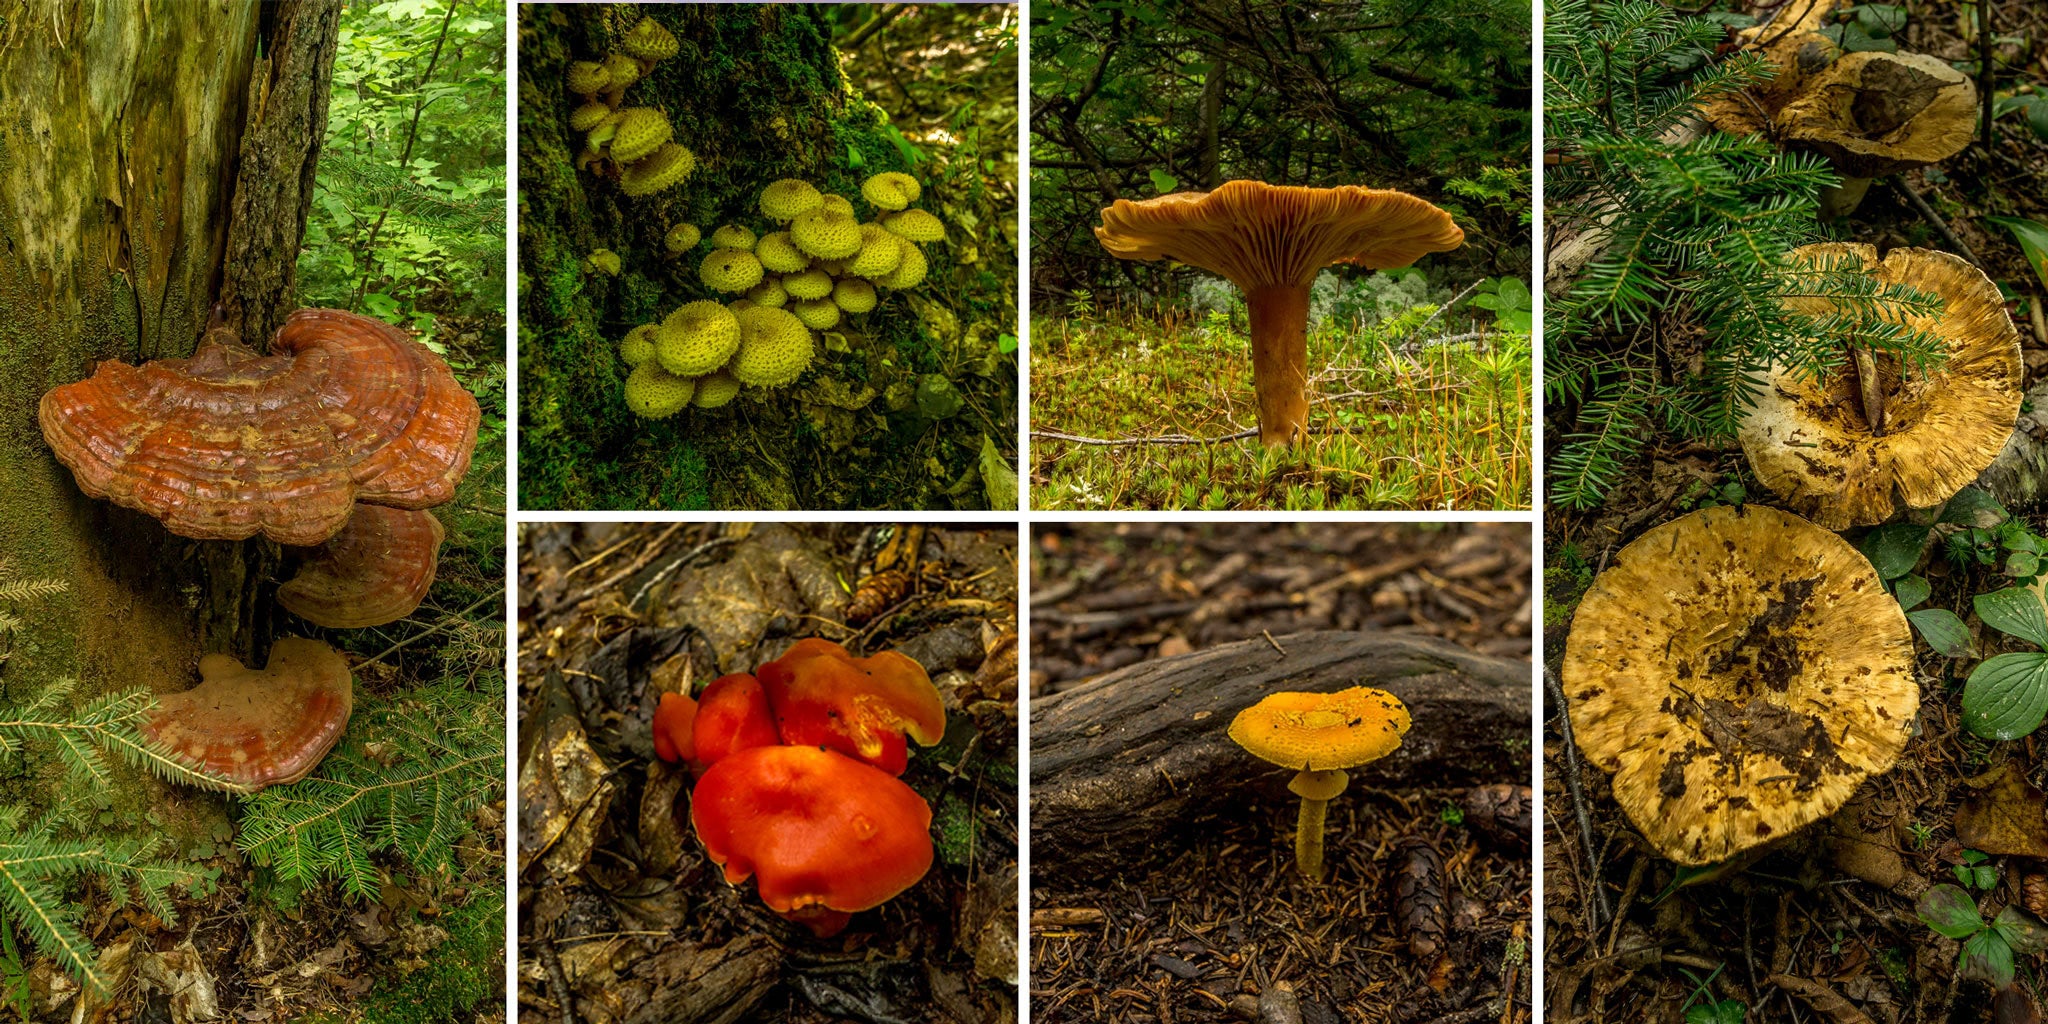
x=649, y=41
x=879, y=253
x=228, y=444
x=821, y=314
x=891, y=190
x=916, y=225
x=909, y=273
x=784, y=200
x=815, y=830
x=669, y=164
x=811, y=284
x=862, y=707
x=697, y=338
x=775, y=347
x=732, y=715
x=1322, y=731
x=654, y=393
x=777, y=253
x=715, y=390
x=638, y=345
x=675, y=720
x=682, y=238
x=623, y=72
x=1740, y=671
x=641, y=131
x=245, y=729
x=733, y=236
x=1807, y=437
x=1257, y=234
x=1873, y=114
x=834, y=203
x=588, y=116
x=826, y=234
x=730, y=270
x=854, y=295
x=588, y=78
x=769, y=293
x=376, y=570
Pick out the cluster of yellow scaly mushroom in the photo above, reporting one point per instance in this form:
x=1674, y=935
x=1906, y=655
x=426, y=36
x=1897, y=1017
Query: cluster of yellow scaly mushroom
x=823, y=263
x=636, y=142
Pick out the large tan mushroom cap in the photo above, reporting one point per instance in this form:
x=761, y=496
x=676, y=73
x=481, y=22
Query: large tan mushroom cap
x=1740, y=671
x=1258, y=234
x=376, y=570
x=1807, y=437
x=1322, y=731
x=1799, y=52
x=1873, y=114
x=244, y=729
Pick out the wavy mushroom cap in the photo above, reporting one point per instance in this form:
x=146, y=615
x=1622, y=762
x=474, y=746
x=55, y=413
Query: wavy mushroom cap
x=638, y=345
x=866, y=708
x=588, y=116
x=916, y=225
x=697, y=338
x=376, y=570
x=854, y=295
x=826, y=234
x=668, y=165
x=675, y=721
x=588, y=78
x=1740, y=671
x=228, y=444
x=787, y=199
x=714, y=390
x=733, y=236
x=1322, y=731
x=820, y=314
x=246, y=729
x=640, y=131
x=1257, y=234
x=909, y=273
x=730, y=270
x=732, y=715
x=682, y=238
x=775, y=347
x=654, y=393
x=1807, y=437
x=777, y=253
x=649, y=41
x=811, y=284
x=1796, y=51
x=769, y=293
x=1873, y=113
x=891, y=190
x=879, y=254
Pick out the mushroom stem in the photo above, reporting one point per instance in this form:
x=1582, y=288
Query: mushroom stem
x=1279, y=316
x=1870, y=388
x=1842, y=200
x=1316, y=789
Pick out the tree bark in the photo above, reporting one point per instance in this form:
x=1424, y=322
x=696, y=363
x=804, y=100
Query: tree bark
x=1118, y=764
x=117, y=185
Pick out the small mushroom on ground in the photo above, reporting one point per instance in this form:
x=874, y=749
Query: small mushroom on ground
x=1319, y=735
x=245, y=729
x=732, y=715
x=1271, y=241
x=823, y=835
x=675, y=720
x=376, y=570
x=868, y=708
x=1740, y=671
x=1839, y=447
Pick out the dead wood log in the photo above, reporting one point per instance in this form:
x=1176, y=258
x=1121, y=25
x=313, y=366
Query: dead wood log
x=1122, y=760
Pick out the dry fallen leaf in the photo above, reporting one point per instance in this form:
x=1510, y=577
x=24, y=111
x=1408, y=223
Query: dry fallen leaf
x=2010, y=817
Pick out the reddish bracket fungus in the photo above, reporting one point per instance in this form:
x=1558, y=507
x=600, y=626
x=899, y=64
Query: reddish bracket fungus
x=244, y=729
x=824, y=836
x=229, y=443
x=376, y=570
x=862, y=707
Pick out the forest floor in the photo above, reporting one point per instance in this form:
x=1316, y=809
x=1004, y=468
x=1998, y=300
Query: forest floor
x=620, y=910
x=1414, y=427
x=1706, y=952
x=1200, y=932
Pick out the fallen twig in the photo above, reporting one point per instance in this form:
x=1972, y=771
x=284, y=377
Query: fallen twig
x=1578, y=794
x=1935, y=220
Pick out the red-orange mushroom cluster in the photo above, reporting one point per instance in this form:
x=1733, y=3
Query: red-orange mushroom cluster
x=797, y=782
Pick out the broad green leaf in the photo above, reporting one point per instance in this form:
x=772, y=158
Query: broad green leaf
x=1943, y=630
x=2023, y=564
x=1973, y=506
x=2021, y=930
x=1912, y=590
x=2015, y=611
x=2031, y=234
x=1949, y=911
x=1163, y=182
x=2006, y=697
x=1893, y=550
x=1727, y=1011
x=1987, y=956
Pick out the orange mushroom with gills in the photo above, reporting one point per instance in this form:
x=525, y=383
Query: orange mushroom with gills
x=824, y=836
x=674, y=721
x=1319, y=735
x=731, y=715
x=376, y=570
x=1271, y=241
x=244, y=729
x=866, y=708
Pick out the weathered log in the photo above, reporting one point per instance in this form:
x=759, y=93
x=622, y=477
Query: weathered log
x=1120, y=761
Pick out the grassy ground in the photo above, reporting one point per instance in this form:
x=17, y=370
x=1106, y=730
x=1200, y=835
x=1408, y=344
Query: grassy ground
x=1428, y=427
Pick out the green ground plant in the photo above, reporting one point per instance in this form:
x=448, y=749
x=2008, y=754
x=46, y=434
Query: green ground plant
x=1988, y=946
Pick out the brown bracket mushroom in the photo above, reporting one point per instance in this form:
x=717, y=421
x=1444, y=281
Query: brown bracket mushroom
x=376, y=570
x=1270, y=241
x=229, y=443
x=245, y=729
x=1319, y=735
x=1839, y=447
x=1740, y=671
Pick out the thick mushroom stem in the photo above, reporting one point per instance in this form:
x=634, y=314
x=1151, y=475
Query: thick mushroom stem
x=1316, y=789
x=1279, y=316
x=1842, y=200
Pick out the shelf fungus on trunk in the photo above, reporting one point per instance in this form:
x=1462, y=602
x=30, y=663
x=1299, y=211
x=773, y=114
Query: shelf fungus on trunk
x=376, y=570
x=1740, y=671
x=1845, y=447
x=229, y=443
x=244, y=729
x=1270, y=241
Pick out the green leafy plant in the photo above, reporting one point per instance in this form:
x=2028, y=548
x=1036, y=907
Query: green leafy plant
x=1988, y=946
x=1869, y=27
x=1976, y=871
x=1508, y=298
x=2006, y=696
x=2032, y=235
x=1702, y=1008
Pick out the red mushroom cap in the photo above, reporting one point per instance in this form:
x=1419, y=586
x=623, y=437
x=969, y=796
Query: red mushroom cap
x=376, y=570
x=672, y=727
x=732, y=715
x=245, y=729
x=861, y=707
x=814, y=829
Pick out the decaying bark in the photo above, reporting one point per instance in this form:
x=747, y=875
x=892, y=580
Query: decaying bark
x=1121, y=761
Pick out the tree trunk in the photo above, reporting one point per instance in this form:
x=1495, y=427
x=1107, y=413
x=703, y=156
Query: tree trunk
x=1123, y=761
x=118, y=185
